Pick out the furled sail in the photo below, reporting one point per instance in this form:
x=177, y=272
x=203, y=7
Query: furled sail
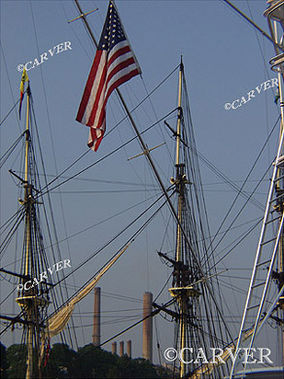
x=57, y=322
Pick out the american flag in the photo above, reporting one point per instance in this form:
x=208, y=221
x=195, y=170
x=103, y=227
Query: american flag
x=113, y=65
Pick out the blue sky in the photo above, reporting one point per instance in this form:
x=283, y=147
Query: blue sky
x=224, y=59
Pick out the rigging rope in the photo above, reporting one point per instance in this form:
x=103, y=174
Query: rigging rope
x=132, y=238
x=10, y=111
x=106, y=219
x=115, y=126
x=242, y=208
x=136, y=323
x=11, y=149
x=244, y=183
x=10, y=86
x=241, y=239
x=55, y=163
x=99, y=160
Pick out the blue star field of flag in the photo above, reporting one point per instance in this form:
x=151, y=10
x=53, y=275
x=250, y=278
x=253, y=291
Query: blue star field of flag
x=112, y=32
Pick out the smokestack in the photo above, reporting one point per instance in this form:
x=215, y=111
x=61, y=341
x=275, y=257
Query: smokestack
x=121, y=348
x=129, y=348
x=97, y=317
x=147, y=326
x=113, y=348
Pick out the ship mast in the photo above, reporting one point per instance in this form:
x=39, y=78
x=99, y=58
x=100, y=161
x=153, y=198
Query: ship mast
x=189, y=274
x=182, y=291
x=179, y=180
x=31, y=294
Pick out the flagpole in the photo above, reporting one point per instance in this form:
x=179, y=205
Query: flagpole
x=86, y=23
x=147, y=154
x=145, y=149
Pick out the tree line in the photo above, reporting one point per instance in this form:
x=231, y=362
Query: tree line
x=88, y=362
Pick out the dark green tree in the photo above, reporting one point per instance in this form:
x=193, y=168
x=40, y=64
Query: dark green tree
x=93, y=362
x=16, y=360
x=135, y=368
x=89, y=362
x=61, y=362
x=3, y=362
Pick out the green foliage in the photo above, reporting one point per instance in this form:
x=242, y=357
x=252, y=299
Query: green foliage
x=16, y=359
x=88, y=362
x=94, y=362
x=3, y=362
x=135, y=368
x=61, y=362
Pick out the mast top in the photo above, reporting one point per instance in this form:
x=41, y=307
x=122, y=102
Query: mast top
x=181, y=63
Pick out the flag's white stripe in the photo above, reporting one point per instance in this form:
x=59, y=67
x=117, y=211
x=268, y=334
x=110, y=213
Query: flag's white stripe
x=117, y=76
x=117, y=47
x=125, y=71
x=100, y=106
x=98, y=133
x=120, y=59
x=96, y=82
x=95, y=86
x=105, y=89
x=93, y=92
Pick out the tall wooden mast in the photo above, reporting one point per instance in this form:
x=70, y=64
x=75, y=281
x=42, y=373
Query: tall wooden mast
x=181, y=296
x=31, y=294
x=189, y=274
x=182, y=289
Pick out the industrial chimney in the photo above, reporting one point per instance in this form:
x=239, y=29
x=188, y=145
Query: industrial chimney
x=121, y=348
x=128, y=346
x=147, y=326
x=97, y=317
x=113, y=347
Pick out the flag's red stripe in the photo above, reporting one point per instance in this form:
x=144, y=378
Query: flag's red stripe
x=99, y=79
x=20, y=105
x=104, y=81
x=116, y=69
x=99, y=93
x=123, y=79
x=123, y=50
x=94, y=144
x=92, y=77
x=93, y=133
x=21, y=97
x=120, y=66
x=89, y=85
x=98, y=141
x=117, y=83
